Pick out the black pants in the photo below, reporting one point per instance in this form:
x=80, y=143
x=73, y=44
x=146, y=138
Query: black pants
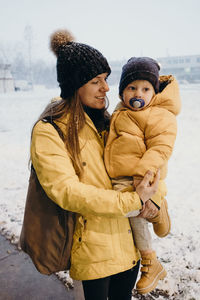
x=115, y=287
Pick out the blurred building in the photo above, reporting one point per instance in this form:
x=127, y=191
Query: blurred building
x=116, y=67
x=6, y=79
x=182, y=67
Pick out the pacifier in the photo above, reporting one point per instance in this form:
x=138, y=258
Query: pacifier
x=136, y=102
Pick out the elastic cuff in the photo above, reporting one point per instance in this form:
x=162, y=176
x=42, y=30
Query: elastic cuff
x=158, y=207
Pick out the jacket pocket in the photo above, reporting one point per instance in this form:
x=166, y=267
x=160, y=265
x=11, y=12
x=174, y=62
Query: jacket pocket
x=86, y=251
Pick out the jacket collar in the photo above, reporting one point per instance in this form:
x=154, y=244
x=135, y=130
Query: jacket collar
x=168, y=98
x=90, y=123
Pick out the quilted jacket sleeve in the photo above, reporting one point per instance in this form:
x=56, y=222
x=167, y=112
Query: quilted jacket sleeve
x=160, y=135
x=57, y=177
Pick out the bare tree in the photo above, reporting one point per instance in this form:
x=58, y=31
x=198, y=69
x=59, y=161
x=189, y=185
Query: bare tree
x=28, y=34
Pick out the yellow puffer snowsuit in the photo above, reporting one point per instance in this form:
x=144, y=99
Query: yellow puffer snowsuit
x=102, y=243
x=143, y=140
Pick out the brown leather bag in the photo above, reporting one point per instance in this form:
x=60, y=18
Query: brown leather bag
x=47, y=231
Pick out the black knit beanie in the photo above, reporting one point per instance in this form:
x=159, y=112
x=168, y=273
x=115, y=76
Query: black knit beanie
x=76, y=63
x=140, y=68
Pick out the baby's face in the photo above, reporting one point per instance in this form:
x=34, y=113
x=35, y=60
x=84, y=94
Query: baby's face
x=138, y=89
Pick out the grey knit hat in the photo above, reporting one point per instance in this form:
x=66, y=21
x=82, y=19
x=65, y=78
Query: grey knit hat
x=144, y=68
x=76, y=63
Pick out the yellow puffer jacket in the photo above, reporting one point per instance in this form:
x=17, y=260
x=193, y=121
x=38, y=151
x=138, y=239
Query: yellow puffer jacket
x=143, y=140
x=102, y=243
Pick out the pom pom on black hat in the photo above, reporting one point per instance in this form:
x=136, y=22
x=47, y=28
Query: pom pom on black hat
x=60, y=38
x=77, y=63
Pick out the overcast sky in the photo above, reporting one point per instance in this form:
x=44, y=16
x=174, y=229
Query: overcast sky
x=118, y=28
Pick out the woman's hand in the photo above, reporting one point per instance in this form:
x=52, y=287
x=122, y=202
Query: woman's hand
x=146, y=191
x=149, y=210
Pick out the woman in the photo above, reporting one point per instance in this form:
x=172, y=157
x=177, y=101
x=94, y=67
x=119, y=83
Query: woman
x=73, y=175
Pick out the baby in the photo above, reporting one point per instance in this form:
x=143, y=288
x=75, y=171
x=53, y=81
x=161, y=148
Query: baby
x=141, y=138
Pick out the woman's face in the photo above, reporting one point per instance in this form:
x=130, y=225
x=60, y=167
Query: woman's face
x=93, y=93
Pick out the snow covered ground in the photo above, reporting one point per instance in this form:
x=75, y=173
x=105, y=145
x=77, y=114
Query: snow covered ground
x=180, y=251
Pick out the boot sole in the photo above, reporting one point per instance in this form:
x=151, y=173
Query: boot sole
x=153, y=285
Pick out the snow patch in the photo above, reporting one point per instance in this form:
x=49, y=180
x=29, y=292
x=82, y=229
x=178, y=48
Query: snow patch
x=179, y=251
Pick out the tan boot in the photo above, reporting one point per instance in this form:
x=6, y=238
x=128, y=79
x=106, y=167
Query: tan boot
x=152, y=272
x=161, y=223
